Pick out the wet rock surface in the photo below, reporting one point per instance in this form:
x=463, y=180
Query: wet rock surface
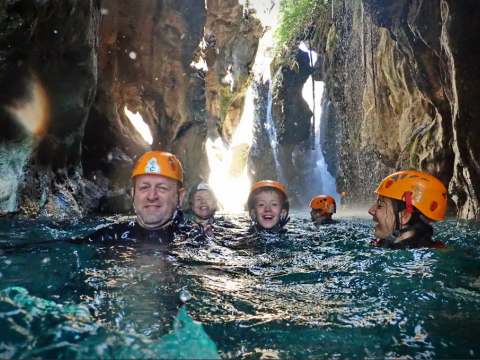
x=401, y=78
x=401, y=92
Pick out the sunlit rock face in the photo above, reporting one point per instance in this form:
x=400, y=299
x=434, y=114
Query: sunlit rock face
x=402, y=80
x=231, y=42
x=145, y=51
x=292, y=118
x=48, y=74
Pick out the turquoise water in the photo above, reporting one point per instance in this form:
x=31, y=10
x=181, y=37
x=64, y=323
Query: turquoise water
x=314, y=293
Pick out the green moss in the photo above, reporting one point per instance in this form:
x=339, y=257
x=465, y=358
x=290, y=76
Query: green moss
x=422, y=141
x=226, y=98
x=333, y=40
x=296, y=17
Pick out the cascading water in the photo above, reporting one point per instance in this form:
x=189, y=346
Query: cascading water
x=272, y=131
x=319, y=181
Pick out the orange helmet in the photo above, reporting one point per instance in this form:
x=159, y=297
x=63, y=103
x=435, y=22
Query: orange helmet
x=159, y=163
x=419, y=189
x=325, y=203
x=268, y=184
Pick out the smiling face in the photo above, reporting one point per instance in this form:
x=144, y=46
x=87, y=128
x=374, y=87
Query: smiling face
x=204, y=204
x=268, y=207
x=155, y=198
x=383, y=215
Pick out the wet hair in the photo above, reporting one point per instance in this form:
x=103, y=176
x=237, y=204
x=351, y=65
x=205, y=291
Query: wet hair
x=418, y=221
x=256, y=192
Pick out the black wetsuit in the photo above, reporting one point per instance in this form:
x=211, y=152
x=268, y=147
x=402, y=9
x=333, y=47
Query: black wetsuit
x=413, y=242
x=132, y=231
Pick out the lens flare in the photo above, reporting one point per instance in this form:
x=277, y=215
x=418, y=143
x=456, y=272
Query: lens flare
x=33, y=113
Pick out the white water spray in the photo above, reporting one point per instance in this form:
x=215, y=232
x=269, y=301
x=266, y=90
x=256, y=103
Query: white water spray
x=272, y=131
x=320, y=171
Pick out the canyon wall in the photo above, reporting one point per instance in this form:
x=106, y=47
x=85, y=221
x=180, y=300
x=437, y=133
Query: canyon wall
x=69, y=72
x=401, y=82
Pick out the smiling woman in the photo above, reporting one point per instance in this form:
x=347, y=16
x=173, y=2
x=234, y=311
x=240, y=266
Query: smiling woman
x=408, y=201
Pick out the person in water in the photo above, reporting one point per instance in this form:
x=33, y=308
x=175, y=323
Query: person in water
x=408, y=201
x=203, y=203
x=323, y=207
x=157, y=192
x=268, y=207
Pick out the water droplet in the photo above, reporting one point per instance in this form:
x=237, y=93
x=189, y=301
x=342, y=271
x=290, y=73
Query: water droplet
x=132, y=55
x=104, y=11
x=46, y=260
x=185, y=296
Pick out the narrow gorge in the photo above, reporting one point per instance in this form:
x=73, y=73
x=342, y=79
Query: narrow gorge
x=400, y=79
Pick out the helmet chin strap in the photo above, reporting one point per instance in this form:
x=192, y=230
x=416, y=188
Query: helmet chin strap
x=397, y=232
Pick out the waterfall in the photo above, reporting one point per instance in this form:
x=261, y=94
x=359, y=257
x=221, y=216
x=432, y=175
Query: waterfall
x=272, y=131
x=318, y=181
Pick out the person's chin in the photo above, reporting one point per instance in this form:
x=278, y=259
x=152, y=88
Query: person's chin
x=268, y=225
x=206, y=214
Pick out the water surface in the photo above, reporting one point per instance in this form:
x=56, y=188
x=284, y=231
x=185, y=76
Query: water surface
x=318, y=292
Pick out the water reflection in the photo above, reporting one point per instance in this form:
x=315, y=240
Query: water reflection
x=317, y=292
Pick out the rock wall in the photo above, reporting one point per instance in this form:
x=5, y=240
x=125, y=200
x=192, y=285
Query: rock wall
x=69, y=71
x=402, y=77
x=231, y=43
x=48, y=75
x=144, y=65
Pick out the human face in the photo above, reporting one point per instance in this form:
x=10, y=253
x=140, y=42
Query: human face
x=155, y=198
x=383, y=215
x=268, y=207
x=204, y=204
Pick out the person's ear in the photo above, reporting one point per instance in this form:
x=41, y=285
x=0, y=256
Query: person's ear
x=253, y=216
x=181, y=195
x=132, y=193
x=405, y=217
x=284, y=213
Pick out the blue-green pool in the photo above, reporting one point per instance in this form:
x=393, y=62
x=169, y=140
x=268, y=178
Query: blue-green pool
x=314, y=293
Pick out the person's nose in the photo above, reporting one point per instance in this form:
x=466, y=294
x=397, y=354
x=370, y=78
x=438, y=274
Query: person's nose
x=372, y=210
x=268, y=208
x=152, y=194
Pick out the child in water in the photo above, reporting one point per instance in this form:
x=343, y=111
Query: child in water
x=203, y=203
x=268, y=207
x=407, y=202
x=323, y=207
